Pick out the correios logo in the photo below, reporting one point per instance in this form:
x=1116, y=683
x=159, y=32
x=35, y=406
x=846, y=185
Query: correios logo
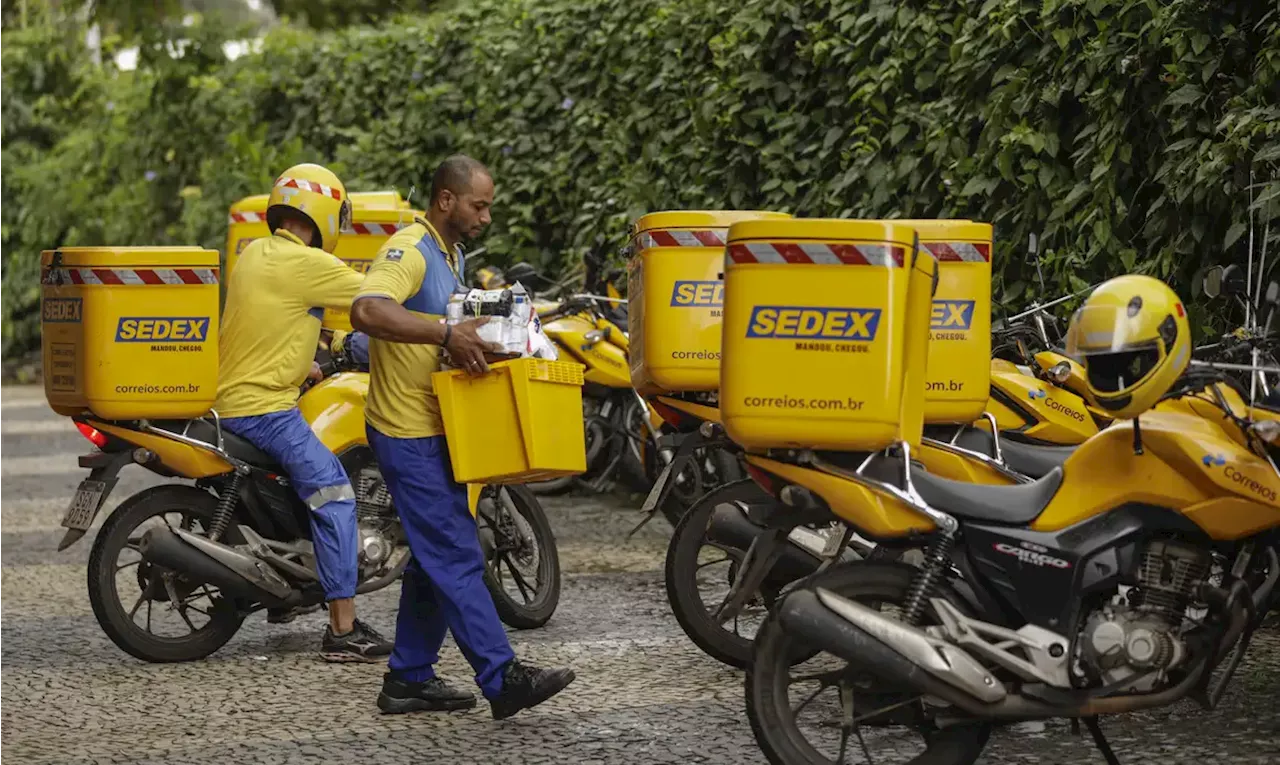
x=1240, y=479
x=813, y=323
x=1057, y=406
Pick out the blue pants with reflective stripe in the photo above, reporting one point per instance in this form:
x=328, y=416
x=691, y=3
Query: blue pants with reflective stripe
x=443, y=587
x=321, y=482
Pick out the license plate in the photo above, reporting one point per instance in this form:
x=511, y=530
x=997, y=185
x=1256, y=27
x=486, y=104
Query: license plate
x=84, y=505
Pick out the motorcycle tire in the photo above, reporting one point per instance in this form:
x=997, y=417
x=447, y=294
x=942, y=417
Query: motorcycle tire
x=104, y=597
x=770, y=709
x=681, y=576
x=514, y=609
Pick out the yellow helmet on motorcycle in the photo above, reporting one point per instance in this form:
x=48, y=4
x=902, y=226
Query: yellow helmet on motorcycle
x=1133, y=339
x=318, y=196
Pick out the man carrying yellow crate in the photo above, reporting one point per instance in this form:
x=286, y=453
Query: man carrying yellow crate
x=267, y=344
x=401, y=307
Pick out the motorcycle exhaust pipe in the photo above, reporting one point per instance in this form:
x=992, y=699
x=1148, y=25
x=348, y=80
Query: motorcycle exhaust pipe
x=730, y=526
x=892, y=650
x=232, y=571
x=902, y=654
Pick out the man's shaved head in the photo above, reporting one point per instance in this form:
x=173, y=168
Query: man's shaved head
x=461, y=195
x=455, y=174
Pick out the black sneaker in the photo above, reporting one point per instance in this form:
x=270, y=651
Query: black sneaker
x=434, y=695
x=526, y=686
x=361, y=644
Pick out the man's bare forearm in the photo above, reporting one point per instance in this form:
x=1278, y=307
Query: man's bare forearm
x=386, y=319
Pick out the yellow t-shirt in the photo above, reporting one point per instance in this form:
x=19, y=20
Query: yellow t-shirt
x=402, y=402
x=271, y=323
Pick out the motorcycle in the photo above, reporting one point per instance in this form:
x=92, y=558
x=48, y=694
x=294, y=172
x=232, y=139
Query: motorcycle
x=208, y=554
x=768, y=548
x=1001, y=623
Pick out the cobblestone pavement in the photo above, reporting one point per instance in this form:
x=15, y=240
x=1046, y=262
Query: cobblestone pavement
x=644, y=694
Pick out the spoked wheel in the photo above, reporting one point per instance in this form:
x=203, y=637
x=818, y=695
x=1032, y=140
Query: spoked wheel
x=699, y=573
x=522, y=565
x=826, y=710
x=150, y=612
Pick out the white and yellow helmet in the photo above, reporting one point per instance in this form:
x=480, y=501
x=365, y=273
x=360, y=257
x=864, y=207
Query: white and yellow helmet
x=317, y=193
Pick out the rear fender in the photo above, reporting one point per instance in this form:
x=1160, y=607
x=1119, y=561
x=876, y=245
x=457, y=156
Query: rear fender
x=179, y=458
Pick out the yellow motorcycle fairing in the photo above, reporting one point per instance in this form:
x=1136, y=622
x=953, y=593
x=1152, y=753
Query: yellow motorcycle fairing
x=869, y=512
x=701, y=411
x=1075, y=382
x=606, y=363
x=1038, y=410
x=1189, y=464
x=177, y=457
x=334, y=407
x=958, y=467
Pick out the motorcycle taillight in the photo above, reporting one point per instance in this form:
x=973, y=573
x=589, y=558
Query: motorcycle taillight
x=95, y=437
x=765, y=480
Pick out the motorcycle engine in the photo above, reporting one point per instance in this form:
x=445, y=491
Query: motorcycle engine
x=1140, y=640
x=375, y=519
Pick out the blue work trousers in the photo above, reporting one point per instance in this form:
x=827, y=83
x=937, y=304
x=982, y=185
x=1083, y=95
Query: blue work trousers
x=321, y=483
x=443, y=587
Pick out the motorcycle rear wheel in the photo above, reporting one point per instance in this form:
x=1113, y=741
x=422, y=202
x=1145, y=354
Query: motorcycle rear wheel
x=519, y=546
x=221, y=618
x=769, y=680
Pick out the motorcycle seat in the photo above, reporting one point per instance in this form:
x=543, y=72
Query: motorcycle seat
x=1012, y=505
x=240, y=448
x=1031, y=460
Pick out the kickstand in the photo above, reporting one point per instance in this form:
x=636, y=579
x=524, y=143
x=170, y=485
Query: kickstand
x=1100, y=740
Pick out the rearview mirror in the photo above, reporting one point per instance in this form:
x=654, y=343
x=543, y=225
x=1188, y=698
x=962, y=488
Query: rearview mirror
x=1212, y=285
x=1233, y=281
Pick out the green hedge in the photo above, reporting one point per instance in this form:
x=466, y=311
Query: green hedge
x=1124, y=133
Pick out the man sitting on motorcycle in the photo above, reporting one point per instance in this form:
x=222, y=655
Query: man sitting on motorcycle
x=401, y=308
x=267, y=341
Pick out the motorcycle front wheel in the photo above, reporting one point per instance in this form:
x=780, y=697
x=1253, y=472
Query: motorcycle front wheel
x=522, y=565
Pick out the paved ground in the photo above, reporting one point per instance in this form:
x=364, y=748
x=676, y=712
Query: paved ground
x=644, y=694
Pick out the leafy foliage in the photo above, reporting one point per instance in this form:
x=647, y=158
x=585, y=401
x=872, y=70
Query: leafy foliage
x=1126, y=133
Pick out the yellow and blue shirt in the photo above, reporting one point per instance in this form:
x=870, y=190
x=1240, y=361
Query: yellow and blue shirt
x=271, y=323
x=415, y=269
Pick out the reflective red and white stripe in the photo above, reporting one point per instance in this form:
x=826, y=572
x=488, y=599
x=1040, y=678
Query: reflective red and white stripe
x=318, y=188
x=375, y=229
x=968, y=252
x=115, y=276
x=248, y=217
x=816, y=253
x=682, y=238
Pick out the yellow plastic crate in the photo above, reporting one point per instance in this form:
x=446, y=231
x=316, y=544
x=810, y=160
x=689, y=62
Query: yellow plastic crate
x=376, y=215
x=130, y=332
x=826, y=331
x=675, y=294
x=959, y=368
x=520, y=422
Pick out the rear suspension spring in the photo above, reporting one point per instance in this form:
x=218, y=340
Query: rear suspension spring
x=226, y=507
x=936, y=559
